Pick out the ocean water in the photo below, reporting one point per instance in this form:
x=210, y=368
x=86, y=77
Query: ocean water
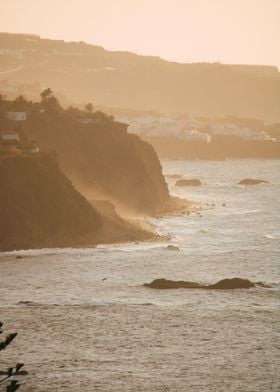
x=86, y=323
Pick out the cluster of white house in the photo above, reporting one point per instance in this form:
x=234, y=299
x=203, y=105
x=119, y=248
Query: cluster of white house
x=189, y=129
x=165, y=125
x=244, y=133
x=16, y=116
x=11, y=142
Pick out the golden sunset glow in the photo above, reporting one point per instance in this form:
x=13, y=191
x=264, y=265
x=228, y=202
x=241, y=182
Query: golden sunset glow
x=230, y=31
x=139, y=195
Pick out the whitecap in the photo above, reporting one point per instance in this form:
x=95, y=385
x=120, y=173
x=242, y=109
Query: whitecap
x=271, y=237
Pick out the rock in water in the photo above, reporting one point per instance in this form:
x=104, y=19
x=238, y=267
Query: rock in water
x=172, y=247
x=234, y=283
x=224, y=284
x=190, y=182
x=171, y=284
x=252, y=181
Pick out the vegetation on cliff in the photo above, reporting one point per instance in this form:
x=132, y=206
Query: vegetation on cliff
x=95, y=152
x=40, y=205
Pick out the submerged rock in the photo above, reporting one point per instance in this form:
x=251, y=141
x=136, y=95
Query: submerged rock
x=189, y=182
x=224, y=284
x=252, y=181
x=173, y=176
x=172, y=247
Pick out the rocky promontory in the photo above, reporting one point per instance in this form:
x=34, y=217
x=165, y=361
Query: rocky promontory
x=55, y=160
x=103, y=161
x=41, y=208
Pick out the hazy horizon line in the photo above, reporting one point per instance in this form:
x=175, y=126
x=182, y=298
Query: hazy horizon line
x=138, y=53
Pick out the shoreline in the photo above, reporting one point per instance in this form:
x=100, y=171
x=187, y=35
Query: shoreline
x=139, y=229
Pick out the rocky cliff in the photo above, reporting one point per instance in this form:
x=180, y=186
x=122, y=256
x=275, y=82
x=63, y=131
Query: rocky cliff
x=41, y=208
x=103, y=160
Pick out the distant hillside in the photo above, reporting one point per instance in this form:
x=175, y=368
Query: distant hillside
x=85, y=72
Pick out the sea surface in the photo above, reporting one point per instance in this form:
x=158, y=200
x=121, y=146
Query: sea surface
x=86, y=323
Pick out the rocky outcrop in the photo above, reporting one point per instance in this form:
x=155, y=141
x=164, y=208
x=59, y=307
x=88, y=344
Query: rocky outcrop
x=41, y=208
x=224, y=284
x=103, y=161
x=189, y=182
x=172, y=248
x=117, y=229
x=252, y=181
x=234, y=283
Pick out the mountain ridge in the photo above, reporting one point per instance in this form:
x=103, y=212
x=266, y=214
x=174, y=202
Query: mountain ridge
x=85, y=72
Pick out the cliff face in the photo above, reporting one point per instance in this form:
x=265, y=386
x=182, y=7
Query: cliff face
x=41, y=208
x=125, y=80
x=103, y=161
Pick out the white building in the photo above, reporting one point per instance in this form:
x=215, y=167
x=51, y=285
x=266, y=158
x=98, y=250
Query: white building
x=195, y=135
x=16, y=116
x=229, y=130
x=9, y=137
x=243, y=133
x=259, y=136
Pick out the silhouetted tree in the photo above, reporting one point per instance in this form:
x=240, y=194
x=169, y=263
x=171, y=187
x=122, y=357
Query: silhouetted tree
x=11, y=371
x=72, y=111
x=47, y=93
x=49, y=101
x=89, y=107
x=20, y=103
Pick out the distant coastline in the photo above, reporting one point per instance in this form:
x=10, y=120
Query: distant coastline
x=172, y=147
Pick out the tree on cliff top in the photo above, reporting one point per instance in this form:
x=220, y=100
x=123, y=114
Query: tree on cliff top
x=49, y=101
x=47, y=93
x=89, y=107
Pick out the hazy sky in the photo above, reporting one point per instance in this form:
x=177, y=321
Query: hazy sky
x=230, y=31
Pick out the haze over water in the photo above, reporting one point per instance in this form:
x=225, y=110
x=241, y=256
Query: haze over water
x=80, y=332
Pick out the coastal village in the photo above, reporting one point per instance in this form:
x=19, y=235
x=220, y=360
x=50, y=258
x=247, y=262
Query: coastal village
x=196, y=129
x=172, y=135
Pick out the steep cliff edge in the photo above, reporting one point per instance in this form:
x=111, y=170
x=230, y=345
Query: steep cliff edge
x=103, y=160
x=41, y=208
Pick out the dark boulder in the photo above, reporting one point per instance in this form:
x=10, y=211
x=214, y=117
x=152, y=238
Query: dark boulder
x=171, y=284
x=172, y=247
x=189, y=182
x=252, y=181
x=234, y=283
